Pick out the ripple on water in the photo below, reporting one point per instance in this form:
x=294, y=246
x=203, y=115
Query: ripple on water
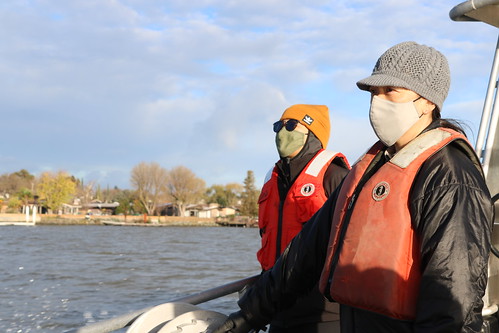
x=56, y=278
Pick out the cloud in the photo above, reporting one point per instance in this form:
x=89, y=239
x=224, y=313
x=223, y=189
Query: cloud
x=96, y=87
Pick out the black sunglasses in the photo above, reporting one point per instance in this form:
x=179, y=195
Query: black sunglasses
x=290, y=125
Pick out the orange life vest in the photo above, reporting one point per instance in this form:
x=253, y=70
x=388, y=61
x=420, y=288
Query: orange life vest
x=280, y=221
x=373, y=259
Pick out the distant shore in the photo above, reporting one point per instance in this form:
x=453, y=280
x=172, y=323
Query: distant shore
x=54, y=219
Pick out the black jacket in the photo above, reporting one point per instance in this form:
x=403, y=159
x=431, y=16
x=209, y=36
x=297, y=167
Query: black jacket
x=452, y=213
x=313, y=307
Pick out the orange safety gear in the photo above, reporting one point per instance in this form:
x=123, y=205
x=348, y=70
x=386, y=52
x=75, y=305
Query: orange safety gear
x=373, y=259
x=280, y=221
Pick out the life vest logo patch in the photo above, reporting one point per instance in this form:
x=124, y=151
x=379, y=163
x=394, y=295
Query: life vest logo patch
x=381, y=191
x=307, y=189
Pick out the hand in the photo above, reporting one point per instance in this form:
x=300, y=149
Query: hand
x=235, y=323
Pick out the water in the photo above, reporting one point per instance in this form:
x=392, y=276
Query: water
x=56, y=278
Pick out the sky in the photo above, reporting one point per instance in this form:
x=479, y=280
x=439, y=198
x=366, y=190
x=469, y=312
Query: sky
x=95, y=87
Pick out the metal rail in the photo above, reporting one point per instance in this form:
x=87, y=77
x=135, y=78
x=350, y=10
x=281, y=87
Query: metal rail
x=125, y=320
x=490, y=117
x=475, y=10
x=486, y=11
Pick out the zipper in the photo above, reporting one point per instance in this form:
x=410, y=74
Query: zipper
x=279, y=231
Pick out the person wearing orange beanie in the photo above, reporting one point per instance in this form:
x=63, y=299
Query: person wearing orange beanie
x=403, y=243
x=314, y=117
x=295, y=188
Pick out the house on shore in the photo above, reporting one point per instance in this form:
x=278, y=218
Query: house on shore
x=95, y=207
x=209, y=211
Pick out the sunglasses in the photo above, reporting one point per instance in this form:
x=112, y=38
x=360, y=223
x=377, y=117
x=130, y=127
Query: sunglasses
x=290, y=125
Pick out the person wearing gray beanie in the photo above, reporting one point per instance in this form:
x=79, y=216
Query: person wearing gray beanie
x=415, y=74
x=416, y=67
x=403, y=243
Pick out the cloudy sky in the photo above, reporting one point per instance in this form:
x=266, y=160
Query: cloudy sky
x=94, y=87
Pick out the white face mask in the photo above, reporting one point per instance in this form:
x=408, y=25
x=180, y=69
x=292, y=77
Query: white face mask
x=391, y=120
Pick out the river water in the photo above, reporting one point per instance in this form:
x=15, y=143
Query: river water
x=57, y=278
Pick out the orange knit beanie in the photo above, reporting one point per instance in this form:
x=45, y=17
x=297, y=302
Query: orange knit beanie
x=314, y=117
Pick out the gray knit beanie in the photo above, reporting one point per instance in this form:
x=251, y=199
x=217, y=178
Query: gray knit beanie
x=419, y=68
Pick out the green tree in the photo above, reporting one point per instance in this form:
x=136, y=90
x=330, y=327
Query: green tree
x=98, y=193
x=216, y=194
x=24, y=195
x=233, y=192
x=224, y=195
x=249, y=197
x=55, y=189
x=125, y=198
x=15, y=205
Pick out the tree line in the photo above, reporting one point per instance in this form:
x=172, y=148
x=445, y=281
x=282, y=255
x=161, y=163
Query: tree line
x=152, y=186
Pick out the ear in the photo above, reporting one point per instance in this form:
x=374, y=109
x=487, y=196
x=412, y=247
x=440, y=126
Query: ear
x=428, y=107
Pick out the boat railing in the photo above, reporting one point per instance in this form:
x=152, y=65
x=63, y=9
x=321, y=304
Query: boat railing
x=487, y=148
x=486, y=11
x=126, y=320
x=487, y=144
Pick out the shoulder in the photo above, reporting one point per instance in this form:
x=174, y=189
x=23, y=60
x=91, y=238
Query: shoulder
x=449, y=187
x=335, y=173
x=450, y=165
x=338, y=162
x=338, y=167
x=449, y=173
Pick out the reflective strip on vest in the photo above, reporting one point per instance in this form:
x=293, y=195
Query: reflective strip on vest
x=268, y=175
x=319, y=162
x=305, y=196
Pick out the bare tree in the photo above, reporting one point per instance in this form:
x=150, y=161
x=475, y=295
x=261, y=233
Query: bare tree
x=149, y=180
x=184, y=187
x=85, y=191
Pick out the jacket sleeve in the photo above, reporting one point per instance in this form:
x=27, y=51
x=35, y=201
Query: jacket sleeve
x=453, y=215
x=295, y=273
x=335, y=173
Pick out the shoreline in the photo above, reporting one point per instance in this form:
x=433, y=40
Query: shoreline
x=54, y=219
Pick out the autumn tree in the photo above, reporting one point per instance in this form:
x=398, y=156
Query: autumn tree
x=249, y=197
x=184, y=187
x=149, y=180
x=55, y=189
x=14, y=182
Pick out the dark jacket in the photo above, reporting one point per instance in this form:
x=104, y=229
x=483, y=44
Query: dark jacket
x=452, y=214
x=312, y=307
